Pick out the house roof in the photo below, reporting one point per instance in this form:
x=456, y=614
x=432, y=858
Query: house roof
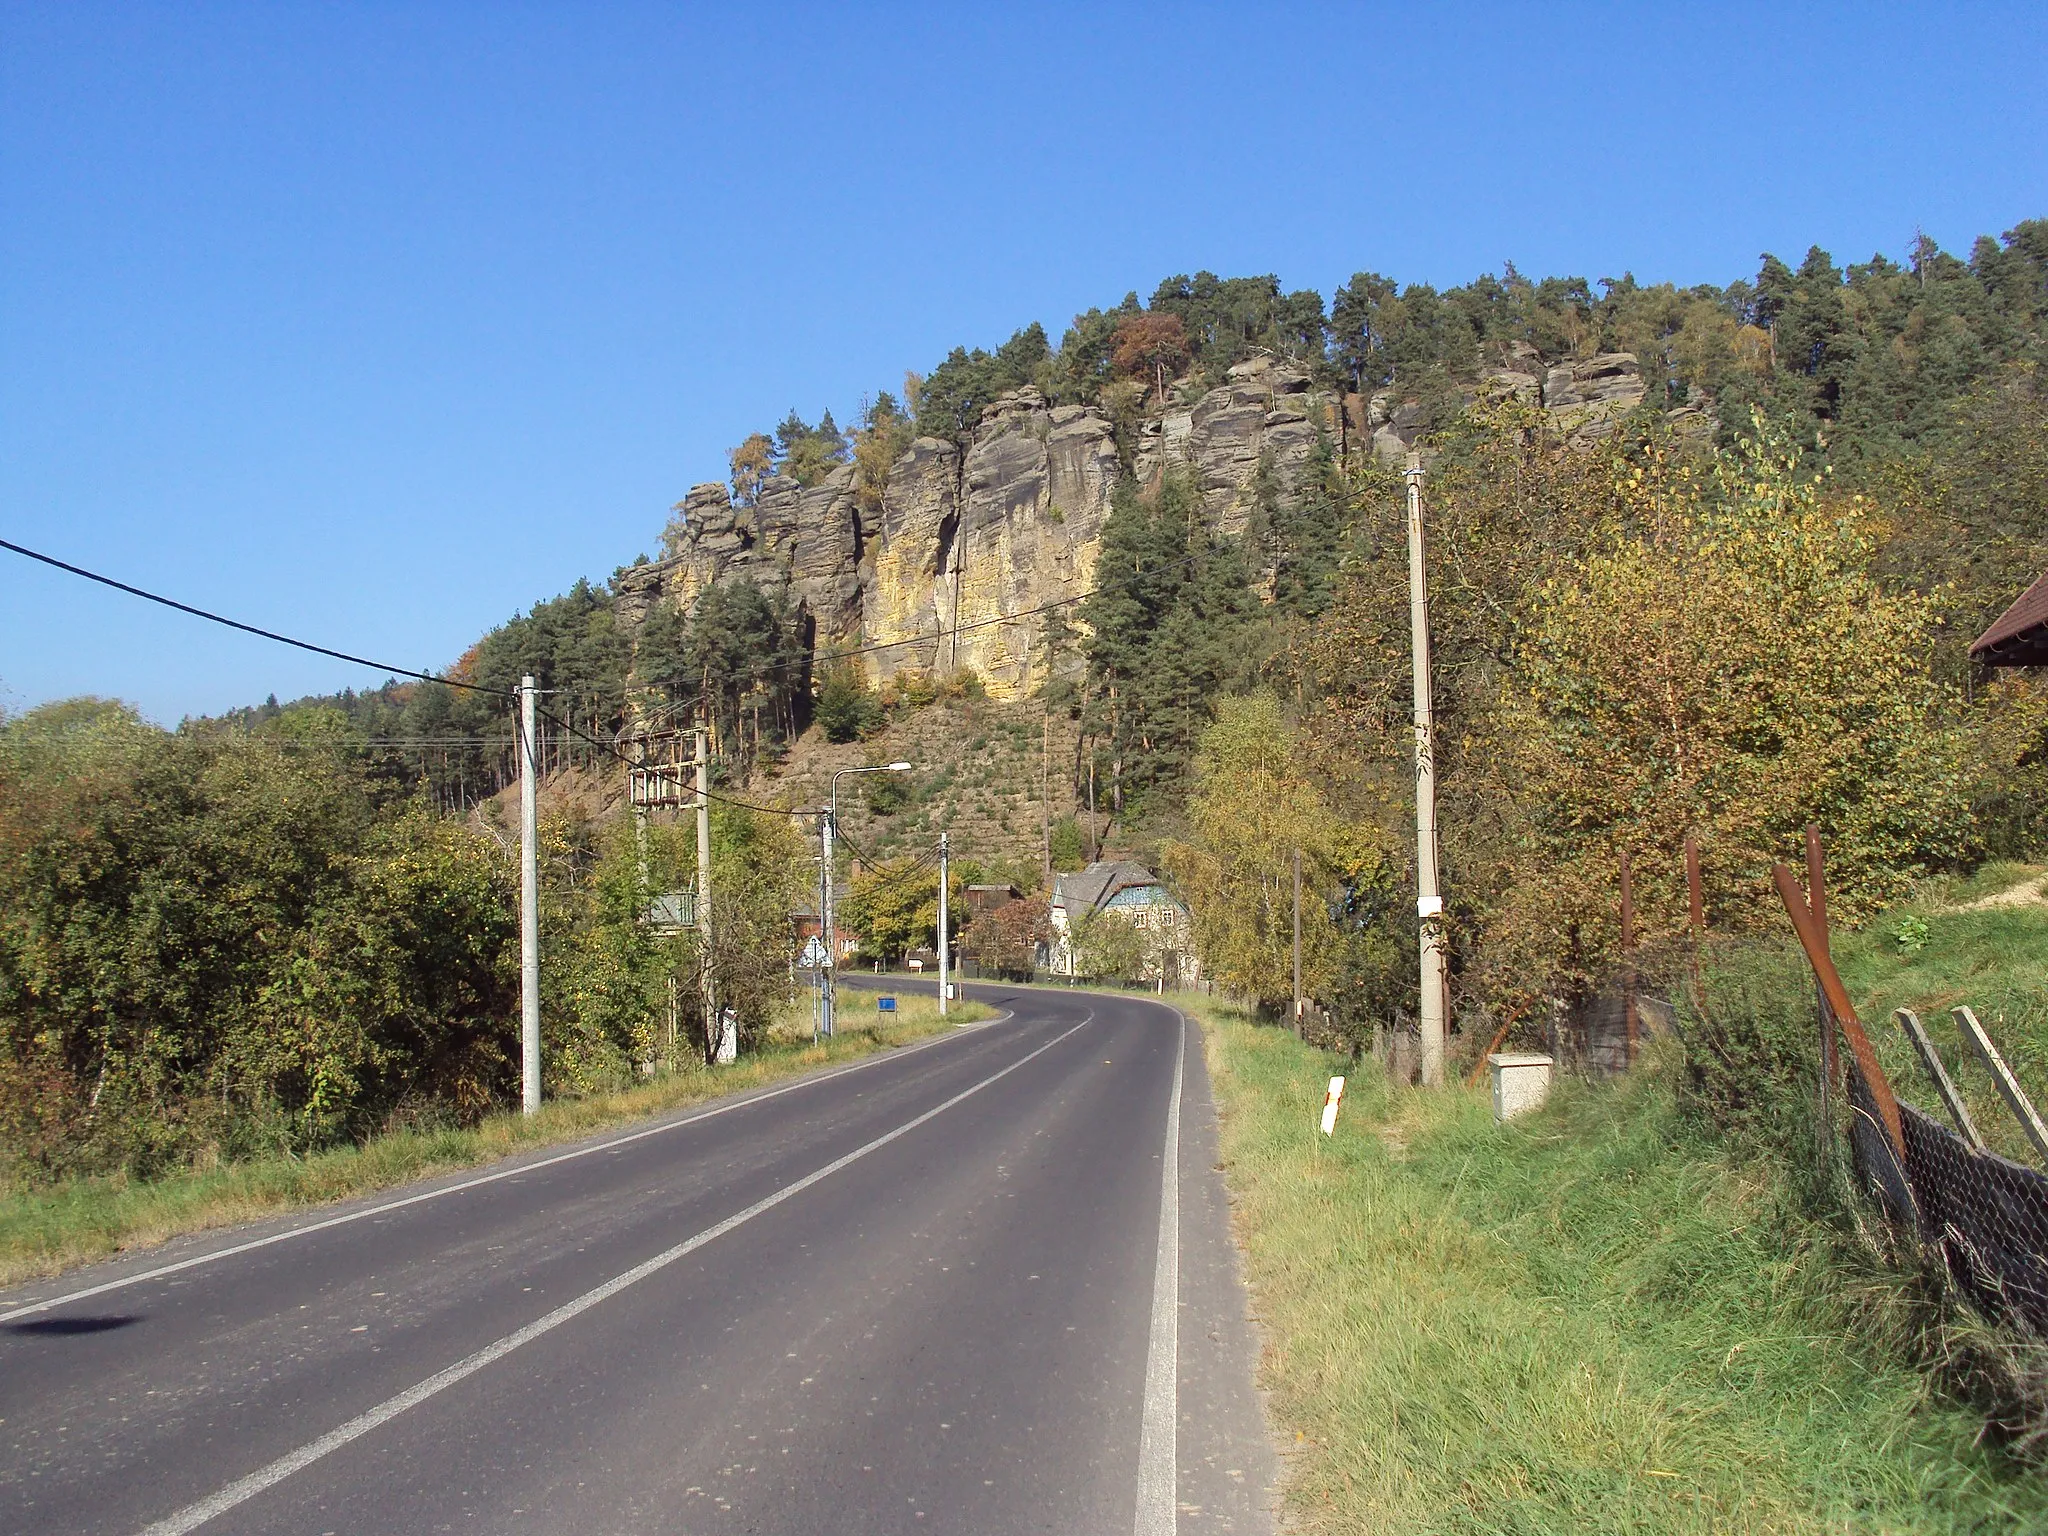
x=1091, y=889
x=2019, y=636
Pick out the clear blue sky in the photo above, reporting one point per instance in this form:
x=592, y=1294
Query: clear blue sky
x=377, y=323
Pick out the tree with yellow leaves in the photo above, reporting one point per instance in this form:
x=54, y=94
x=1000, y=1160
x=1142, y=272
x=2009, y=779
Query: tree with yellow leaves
x=751, y=464
x=1254, y=803
x=1723, y=661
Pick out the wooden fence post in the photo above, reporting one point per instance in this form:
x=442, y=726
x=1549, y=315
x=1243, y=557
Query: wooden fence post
x=1629, y=1023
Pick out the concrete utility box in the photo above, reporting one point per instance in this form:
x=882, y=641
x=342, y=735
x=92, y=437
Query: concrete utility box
x=1520, y=1082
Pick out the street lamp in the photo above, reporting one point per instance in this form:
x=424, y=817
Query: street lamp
x=826, y=828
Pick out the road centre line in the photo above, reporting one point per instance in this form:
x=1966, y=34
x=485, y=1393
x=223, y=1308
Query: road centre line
x=1159, y=1428
x=607, y=1145
x=192, y=1516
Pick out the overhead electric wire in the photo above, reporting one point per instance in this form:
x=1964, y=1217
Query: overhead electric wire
x=673, y=707
x=709, y=794
x=924, y=860
x=247, y=629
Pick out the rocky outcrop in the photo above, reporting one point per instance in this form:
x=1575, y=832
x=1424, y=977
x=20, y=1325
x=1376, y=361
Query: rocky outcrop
x=1265, y=408
x=968, y=545
x=1584, y=396
x=954, y=569
x=1589, y=394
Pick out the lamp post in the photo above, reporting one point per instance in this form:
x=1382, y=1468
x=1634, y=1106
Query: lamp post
x=826, y=828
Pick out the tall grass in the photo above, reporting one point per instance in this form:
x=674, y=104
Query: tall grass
x=1596, y=1319
x=50, y=1228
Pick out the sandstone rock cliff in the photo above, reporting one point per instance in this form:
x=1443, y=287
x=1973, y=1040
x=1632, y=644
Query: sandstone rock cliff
x=971, y=542
x=969, y=546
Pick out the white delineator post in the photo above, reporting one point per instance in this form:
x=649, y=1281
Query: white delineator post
x=944, y=879
x=1429, y=903
x=1331, y=1099
x=529, y=907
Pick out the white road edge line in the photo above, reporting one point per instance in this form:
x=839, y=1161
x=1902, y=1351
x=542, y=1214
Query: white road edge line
x=192, y=1516
x=307, y=1230
x=1158, y=1457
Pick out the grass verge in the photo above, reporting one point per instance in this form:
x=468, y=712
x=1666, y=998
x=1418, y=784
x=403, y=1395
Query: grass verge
x=46, y=1230
x=1941, y=950
x=1590, y=1320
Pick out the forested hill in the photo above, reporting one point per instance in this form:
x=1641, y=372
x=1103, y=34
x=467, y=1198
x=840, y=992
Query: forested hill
x=822, y=536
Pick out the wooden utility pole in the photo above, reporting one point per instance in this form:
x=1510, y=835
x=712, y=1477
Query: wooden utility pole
x=1696, y=906
x=1045, y=792
x=640, y=823
x=707, y=966
x=1298, y=1027
x=1093, y=851
x=1629, y=1023
x=1429, y=902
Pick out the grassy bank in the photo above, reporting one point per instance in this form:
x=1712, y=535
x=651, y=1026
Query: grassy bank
x=1947, y=947
x=48, y=1229
x=1591, y=1320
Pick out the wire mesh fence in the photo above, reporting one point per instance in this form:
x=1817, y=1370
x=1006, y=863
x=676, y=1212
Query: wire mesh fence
x=1983, y=1215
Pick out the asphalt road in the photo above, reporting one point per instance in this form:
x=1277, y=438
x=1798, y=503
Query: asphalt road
x=983, y=1285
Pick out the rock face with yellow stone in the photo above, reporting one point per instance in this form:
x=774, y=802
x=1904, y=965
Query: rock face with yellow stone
x=972, y=542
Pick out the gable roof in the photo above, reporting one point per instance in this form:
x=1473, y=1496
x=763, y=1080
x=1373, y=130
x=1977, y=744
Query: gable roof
x=1091, y=889
x=2019, y=636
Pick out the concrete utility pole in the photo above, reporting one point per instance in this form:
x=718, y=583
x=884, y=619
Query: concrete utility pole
x=945, y=850
x=829, y=929
x=817, y=944
x=707, y=966
x=1429, y=902
x=529, y=907
x=826, y=830
x=1297, y=941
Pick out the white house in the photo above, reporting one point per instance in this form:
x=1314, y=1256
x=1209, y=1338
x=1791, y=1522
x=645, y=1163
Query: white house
x=1132, y=893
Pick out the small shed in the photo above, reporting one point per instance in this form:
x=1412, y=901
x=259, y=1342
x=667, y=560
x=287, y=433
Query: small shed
x=986, y=898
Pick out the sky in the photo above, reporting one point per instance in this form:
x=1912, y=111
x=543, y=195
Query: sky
x=376, y=324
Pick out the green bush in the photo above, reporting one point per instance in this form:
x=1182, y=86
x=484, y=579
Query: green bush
x=1752, y=1051
x=846, y=710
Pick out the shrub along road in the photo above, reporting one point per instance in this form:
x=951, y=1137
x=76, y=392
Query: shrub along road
x=930, y=1292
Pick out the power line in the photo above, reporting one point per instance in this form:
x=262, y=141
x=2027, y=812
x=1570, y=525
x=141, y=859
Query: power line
x=382, y=743
x=709, y=794
x=815, y=660
x=247, y=629
x=927, y=860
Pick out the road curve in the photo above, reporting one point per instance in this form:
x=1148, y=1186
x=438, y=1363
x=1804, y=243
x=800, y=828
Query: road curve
x=960, y=1287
